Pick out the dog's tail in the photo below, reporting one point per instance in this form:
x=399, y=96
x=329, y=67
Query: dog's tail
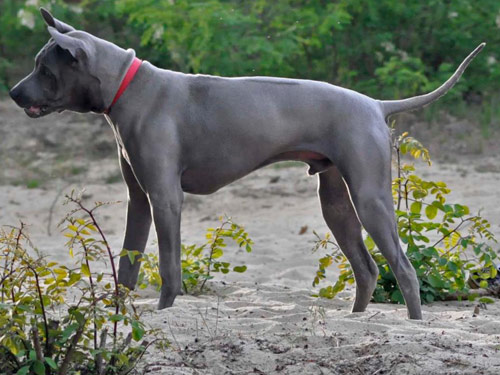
x=390, y=107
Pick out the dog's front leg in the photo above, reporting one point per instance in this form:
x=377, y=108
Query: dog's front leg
x=137, y=228
x=166, y=202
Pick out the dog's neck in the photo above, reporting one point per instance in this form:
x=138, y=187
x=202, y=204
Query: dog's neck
x=111, y=68
x=129, y=76
x=123, y=115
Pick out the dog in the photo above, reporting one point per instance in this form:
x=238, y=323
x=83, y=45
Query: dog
x=181, y=133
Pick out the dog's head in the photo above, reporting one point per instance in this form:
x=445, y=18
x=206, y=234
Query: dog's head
x=63, y=78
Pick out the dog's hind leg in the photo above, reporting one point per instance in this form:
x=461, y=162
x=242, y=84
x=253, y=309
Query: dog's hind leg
x=341, y=218
x=367, y=173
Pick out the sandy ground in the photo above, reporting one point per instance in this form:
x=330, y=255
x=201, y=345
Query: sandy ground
x=263, y=321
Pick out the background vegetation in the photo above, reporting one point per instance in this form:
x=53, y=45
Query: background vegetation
x=384, y=48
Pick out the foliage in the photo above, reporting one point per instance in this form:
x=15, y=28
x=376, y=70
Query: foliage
x=444, y=242
x=198, y=262
x=61, y=320
x=384, y=49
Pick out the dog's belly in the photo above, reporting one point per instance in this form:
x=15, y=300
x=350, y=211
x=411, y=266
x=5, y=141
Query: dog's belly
x=204, y=181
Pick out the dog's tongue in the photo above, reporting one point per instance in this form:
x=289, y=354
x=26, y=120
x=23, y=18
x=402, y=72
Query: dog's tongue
x=34, y=110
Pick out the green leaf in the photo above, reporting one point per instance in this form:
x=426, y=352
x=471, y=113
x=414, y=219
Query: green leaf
x=431, y=211
x=240, y=269
x=430, y=252
x=137, y=330
x=51, y=363
x=23, y=370
x=429, y=297
x=435, y=281
x=39, y=367
x=452, y=266
x=85, y=269
x=416, y=207
x=369, y=243
x=217, y=253
x=116, y=318
x=73, y=228
x=486, y=300
x=396, y=296
x=131, y=256
x=68, y=331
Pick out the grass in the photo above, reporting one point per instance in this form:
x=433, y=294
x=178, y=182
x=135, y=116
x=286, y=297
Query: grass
x=33, y=184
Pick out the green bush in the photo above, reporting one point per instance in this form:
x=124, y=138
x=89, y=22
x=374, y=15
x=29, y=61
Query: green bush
x=56, y=319
x=198, y=262
x=460, y=247
x=385, y=49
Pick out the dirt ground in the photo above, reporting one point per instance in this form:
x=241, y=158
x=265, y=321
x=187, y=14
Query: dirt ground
x=263, y=321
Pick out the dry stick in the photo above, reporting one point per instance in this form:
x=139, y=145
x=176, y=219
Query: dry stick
x=217, y=318
x=52, y=206
x=205, y=323
x=173, y=335
x=184, y=359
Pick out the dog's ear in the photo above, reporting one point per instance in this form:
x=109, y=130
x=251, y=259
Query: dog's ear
x=79, y=49
x=53, y=22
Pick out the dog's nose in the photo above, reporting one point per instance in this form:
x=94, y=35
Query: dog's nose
x=14, y=93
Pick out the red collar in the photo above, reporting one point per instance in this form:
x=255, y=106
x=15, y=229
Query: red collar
x=129, y=76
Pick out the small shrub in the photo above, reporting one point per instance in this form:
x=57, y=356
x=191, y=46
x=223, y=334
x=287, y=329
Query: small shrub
x=33, y=184
x=460, y=248
x=198, y=262
x=56, y=319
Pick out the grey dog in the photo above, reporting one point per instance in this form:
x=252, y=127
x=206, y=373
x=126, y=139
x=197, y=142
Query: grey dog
x=197, y=133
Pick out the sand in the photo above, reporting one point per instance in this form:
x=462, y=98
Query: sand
x=263, y=321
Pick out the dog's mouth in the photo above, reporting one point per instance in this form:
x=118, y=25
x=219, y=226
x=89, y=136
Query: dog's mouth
x=36, y=111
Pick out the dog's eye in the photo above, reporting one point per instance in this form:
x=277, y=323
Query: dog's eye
x=45, y=72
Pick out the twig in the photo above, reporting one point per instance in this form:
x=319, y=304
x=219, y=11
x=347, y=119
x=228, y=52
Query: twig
x=396, y=146
x=92, y=291
x=144, y=344
x=217, y=317
x=173, y=335
x=42, y=306
x=51, y=209
x=212, y=249
x=453, y=231
x=205, y=323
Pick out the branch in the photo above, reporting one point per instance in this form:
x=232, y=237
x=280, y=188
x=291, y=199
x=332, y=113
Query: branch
x=36, y=343
x=71, y=349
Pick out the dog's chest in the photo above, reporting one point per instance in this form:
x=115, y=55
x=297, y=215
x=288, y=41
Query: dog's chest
x=119, y=141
